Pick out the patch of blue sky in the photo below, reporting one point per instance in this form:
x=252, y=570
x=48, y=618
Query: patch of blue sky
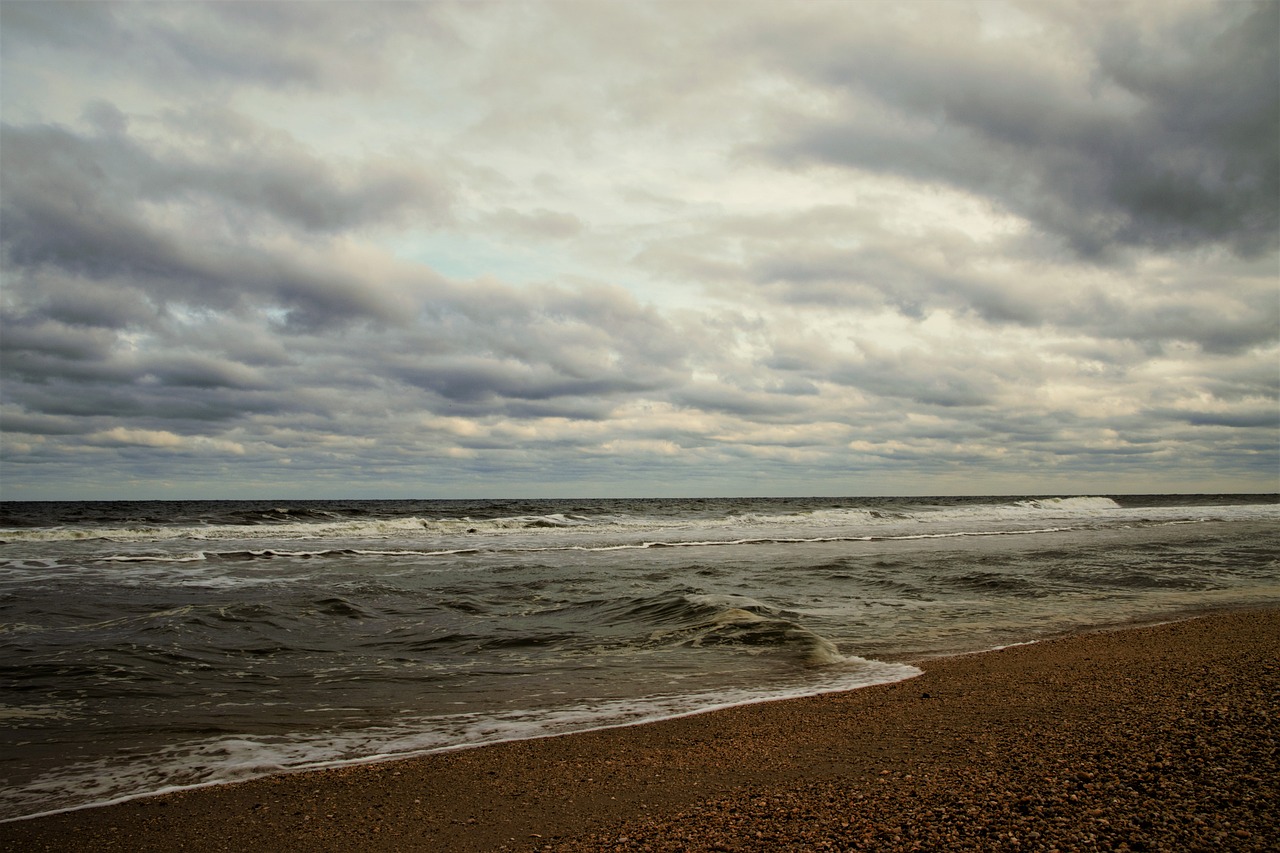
x=461, y=256
x=468, y=256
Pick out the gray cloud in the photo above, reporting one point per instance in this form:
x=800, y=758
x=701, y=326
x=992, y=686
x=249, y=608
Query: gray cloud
x=1166, y=137
x=541, y=223
x=418, y=248
x=473, y=380
x=256, y=173
x=228, y=44
x=105, y=207
x=844, y=259
x=755, y=405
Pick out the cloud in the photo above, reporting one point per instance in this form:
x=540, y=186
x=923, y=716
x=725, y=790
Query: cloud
x=1124, y=133
x=845, y=258
x=451, y=249
x=228, y=237
x=227, y=45
x=120, y=436
x=541, y=223
x=242, y=173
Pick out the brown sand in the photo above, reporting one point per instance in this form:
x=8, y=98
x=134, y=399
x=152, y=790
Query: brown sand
x=1152, y=738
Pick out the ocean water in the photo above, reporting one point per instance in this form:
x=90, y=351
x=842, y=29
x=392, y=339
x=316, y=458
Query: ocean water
x=151, y=645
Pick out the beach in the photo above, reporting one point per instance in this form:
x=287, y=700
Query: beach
x=1154, y=737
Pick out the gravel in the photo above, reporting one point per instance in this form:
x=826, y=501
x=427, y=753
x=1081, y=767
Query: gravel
x=1152, y=738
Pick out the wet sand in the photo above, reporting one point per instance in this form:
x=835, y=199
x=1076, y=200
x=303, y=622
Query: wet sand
x=1163, y=737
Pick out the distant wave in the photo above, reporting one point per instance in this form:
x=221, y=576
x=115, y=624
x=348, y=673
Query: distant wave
x=556, y=531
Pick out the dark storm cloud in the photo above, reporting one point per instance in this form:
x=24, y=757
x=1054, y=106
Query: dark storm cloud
x=1169, y=141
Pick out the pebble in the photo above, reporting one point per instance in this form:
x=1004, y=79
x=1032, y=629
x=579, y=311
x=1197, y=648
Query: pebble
x=1161, y=739
x=1157, y=769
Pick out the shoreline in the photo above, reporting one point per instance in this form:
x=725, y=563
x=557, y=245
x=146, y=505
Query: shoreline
x=916, y=661
x=372, y=761
x=1112, y=721
x=910, y=660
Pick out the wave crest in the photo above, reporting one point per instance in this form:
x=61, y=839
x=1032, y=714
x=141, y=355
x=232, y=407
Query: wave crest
x=735, y=622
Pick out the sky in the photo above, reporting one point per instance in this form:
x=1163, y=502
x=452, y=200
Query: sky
x=576, y=249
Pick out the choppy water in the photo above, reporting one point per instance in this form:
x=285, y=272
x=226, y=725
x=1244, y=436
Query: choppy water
x=150, y=645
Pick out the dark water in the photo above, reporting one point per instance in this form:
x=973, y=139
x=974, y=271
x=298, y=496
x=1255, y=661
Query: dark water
x=146, y=645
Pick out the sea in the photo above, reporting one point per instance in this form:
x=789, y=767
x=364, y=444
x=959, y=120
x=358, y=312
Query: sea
x=153, y=646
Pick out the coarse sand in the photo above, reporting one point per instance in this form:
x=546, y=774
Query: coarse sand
x=1162, y=737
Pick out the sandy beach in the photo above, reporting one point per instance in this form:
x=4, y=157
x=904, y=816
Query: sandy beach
x=1163, y=737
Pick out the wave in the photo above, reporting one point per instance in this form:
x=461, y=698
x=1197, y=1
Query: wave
x=630, y=527
x=224, y=759
x=208, y=532
x=1087, y=504
x=756, y=633
x=688, y=618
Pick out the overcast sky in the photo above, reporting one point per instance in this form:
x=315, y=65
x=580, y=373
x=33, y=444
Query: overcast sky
x=621, y=248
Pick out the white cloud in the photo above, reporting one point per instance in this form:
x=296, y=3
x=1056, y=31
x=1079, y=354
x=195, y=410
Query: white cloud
x=163, y=439
x=582, y=247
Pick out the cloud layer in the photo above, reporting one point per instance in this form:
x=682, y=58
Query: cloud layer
x=447, y=250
